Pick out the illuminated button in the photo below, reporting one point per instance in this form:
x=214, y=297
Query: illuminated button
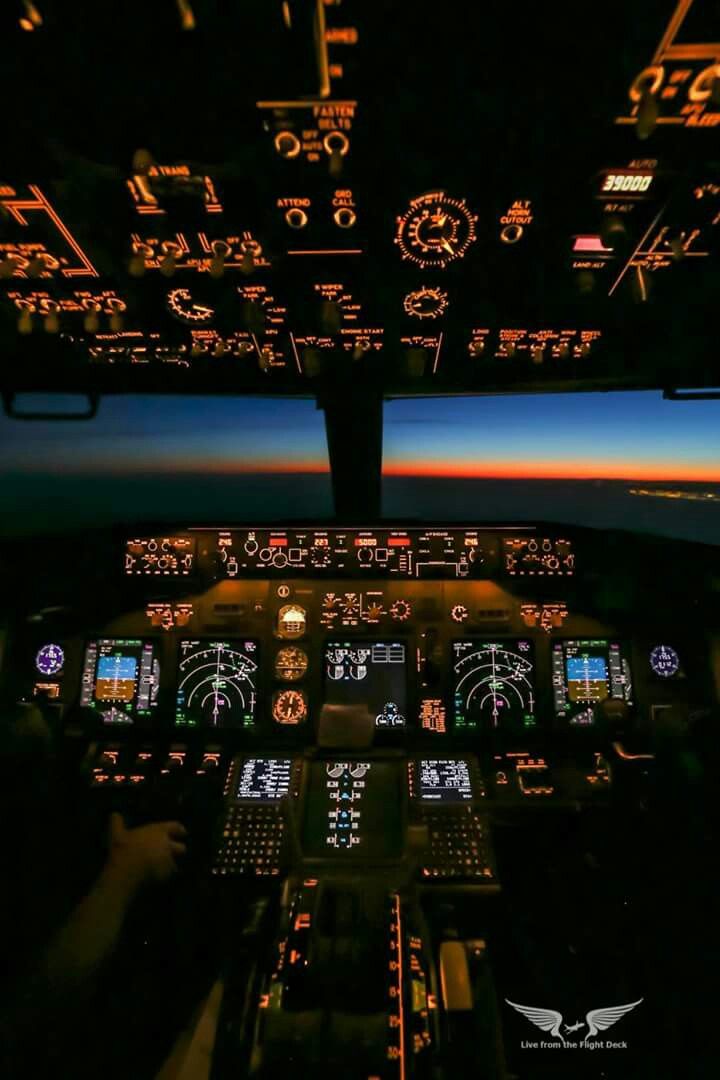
x=221, y=251
x=287, y=144
x=296, y=218
x=344, y=217
x=511, y=234
x=336, y=142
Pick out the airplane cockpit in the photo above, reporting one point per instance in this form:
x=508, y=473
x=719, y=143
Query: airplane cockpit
x=359, y=532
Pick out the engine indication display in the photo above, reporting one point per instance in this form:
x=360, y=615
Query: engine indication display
x=121, y=679
x=369, y=673
x=494, y=687
x=586, y=673
x=217, y=684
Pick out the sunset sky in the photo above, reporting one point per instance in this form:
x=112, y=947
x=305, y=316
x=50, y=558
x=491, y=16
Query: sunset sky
x=142, y=434
x=618, y=436
x=233, y=459
x=633, y=436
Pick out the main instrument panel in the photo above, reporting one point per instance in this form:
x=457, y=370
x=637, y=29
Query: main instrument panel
x=479, y=637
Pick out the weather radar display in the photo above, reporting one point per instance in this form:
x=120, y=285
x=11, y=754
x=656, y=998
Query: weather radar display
x=217, y=684
x=494, y=685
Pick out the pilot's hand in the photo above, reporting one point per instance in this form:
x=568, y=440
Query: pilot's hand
x=146, y=854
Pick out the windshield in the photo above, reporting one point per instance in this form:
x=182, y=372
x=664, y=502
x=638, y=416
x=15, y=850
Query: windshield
x=617, y=460
x=200, y=459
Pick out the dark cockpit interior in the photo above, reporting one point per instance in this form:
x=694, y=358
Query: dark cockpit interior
x=359, y=540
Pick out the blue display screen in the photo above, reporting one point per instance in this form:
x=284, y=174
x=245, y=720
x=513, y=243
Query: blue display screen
x=584, y=668
x=116, y=667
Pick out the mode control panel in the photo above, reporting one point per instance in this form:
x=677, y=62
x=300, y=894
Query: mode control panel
x=454, y=553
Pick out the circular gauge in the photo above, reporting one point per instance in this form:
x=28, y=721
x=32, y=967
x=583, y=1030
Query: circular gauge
x=459, y=613
x=390, y=716
x=426, y=303
x=50, y=660
x=494, y=685
x=291, y=663
x=291, y=621
x=335, y=770
x=343, y=662
x=180, y=304
x=358, y=769
x=319, y=556
x=289, y=707
x=401, y=610
x=664, y=661
x=216, y=683
x=435, y=230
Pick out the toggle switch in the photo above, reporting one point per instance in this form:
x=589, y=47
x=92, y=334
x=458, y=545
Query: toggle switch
x=416, y=362
x=221, y=250
x=51, y=318
x=91, y=318
x=330, y=316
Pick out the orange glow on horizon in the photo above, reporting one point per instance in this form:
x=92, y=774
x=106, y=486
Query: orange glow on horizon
x=550, y=470
x=230, y=468
x=190, y=468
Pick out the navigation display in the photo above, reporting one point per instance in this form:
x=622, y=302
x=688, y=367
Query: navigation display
x=120, y=678
x=443, y=780
x=263, y=779
x=494, y=685
x=585, y=673
x=217, y=684
x=353, y=808
x=371, y=673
